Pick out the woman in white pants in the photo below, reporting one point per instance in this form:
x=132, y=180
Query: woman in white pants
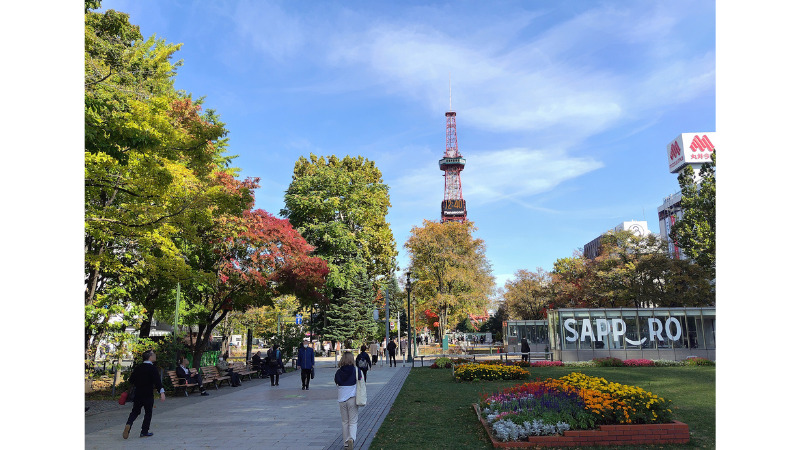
x=345, y=379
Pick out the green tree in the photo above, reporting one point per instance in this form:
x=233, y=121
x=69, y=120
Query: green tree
x=340, y=207
x=695, y=232
x=451, y=270
x=494, y=324
x=630, y=271
x=146, y=149
x=570, y=280
x=528, y=294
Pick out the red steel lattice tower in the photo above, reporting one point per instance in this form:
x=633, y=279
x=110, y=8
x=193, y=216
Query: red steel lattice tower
x=454, y=207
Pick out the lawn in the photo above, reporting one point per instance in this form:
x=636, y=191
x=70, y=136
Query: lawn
x=433, y=411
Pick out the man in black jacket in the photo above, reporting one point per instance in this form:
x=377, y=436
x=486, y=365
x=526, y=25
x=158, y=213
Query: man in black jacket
x=145, y=378
x=391, y=347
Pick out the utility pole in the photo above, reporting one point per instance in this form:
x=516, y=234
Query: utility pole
x=386, y=300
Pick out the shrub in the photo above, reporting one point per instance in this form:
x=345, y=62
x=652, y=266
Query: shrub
x=579, y=364
x=608, y=362
x=460, y=361
x=697, y=361
x=666, y=363
x=443, y=362
x=469, y=372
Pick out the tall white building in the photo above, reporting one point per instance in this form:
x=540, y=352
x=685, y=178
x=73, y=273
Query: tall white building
x=638, y=227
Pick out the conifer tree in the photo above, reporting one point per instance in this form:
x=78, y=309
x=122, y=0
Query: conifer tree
x=350, y=316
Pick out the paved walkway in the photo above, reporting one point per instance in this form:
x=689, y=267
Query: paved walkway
x=254, y=415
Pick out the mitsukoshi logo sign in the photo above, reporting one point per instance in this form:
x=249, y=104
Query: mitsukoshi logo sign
x=616, y=329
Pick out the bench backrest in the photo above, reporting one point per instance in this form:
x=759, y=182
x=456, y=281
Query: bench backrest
x=175, y=379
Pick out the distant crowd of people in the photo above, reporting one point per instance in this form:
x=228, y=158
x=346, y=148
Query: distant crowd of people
x=352, y=369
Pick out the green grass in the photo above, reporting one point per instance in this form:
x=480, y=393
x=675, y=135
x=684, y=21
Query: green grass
x=433, y=411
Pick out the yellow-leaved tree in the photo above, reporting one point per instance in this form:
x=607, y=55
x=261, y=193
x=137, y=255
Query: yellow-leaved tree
x=450, y=270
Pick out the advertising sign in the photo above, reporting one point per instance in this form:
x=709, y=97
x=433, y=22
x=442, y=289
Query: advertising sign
x=596, y=329
x=690, y=148
x=456, y=207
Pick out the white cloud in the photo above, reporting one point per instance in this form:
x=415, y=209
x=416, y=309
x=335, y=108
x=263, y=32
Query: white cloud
x=511, y=174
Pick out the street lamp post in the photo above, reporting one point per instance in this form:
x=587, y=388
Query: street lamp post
x=175, y=327
x=410, y=358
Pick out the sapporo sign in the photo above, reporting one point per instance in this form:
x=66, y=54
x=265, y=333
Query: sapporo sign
x=690, y=148
x=670, y=329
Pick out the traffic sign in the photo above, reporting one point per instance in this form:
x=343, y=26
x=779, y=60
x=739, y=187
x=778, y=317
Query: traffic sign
x=298, y=319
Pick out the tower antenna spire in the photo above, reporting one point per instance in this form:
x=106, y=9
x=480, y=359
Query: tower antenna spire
x=454, y=208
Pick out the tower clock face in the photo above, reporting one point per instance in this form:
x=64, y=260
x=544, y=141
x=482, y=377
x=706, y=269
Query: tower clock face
x=636, y=230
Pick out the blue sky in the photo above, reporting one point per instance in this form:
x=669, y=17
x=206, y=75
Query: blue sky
x=564, y=108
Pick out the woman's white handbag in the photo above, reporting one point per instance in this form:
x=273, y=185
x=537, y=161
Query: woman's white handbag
x=361, y=390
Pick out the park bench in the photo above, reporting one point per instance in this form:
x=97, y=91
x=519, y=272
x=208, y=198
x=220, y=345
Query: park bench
x=543, y=356
x=243, y=371
x=206, y=379
x=214, y=374
x=180, y=383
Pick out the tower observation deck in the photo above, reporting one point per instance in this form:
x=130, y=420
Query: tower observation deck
x=454, y=207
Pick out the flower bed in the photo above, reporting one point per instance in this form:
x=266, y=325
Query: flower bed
x=482, y=371
x=572, y=402
x=611, y=435
x=547, y=363
x=638, y=363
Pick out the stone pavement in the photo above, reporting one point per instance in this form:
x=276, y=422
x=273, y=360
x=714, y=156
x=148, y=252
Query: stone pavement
x=254, y=415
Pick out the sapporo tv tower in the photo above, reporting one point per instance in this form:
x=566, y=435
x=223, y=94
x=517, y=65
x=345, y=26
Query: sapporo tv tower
x=454, y=208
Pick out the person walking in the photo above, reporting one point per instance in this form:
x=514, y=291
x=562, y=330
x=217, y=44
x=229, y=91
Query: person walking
x=305, y=360
x=525, y=349
x=373, y=350
x=345, y=378
x=391, y=347
x=363, y=361
x=274, y=365
x=145, y=378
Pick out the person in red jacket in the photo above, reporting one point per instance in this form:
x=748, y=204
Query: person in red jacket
x=145, y=378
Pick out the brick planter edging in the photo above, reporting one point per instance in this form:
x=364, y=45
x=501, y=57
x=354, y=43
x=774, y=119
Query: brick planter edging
x=656, y=433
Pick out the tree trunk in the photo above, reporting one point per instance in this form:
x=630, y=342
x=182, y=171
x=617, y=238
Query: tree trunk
x=93, y=280
x=144, y=330
x=149, y=301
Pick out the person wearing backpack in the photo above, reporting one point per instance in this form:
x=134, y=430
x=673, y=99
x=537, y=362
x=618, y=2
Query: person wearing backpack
x=274, y=365
x=363, y=361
